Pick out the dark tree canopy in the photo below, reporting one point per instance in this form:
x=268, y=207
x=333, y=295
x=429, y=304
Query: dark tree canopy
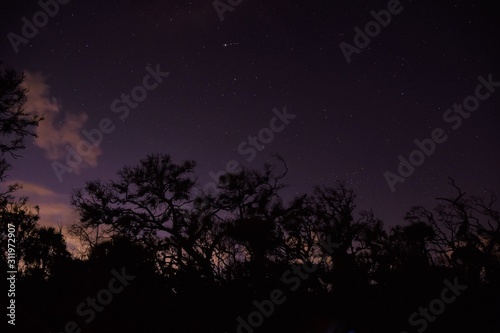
x=15, y=126
x=238, y=242
x=15, y=123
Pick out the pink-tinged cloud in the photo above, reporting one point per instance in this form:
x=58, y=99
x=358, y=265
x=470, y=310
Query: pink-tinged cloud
x=55, y=210
x=54, y=207
x=53, y=134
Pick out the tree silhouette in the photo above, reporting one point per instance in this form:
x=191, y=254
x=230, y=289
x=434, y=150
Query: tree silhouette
x=15, y=126
x=45, y=252
x=148, y=204
x=203, y=258
x=467, y=234
x=15, y=123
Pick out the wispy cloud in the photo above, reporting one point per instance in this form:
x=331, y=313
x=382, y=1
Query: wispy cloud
x=55, y=209
x=58, y=129
x=33, y=189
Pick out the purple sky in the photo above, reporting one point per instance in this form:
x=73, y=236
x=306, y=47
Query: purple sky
x=225, y=78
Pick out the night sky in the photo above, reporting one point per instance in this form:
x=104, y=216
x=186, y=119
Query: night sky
x=227, y=79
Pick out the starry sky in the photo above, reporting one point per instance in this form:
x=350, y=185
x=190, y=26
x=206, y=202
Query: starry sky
x=231, y=70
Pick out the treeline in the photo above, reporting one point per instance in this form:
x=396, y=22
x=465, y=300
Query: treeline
x=158, y=254
x=199, y=261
